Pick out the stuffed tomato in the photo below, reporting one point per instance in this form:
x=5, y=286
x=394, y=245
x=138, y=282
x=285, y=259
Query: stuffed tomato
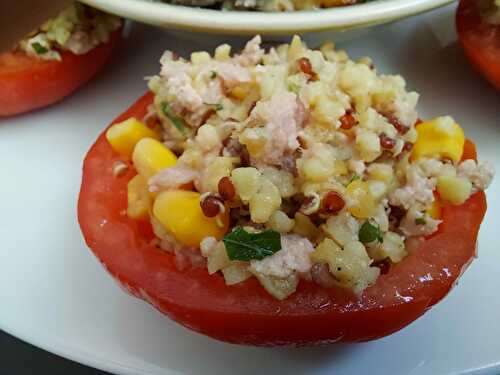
x=478, y=25
x=58, y=58
x=283, y=197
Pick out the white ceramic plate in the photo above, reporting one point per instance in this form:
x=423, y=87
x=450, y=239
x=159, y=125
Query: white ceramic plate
x=194, y=19
x=56, y=295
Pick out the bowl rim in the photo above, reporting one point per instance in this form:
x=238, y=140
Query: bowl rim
x=208, y=20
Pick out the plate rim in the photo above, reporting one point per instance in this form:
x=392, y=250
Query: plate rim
x=229, y=22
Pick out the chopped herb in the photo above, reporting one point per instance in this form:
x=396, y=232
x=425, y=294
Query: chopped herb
x=244, y=246
x=293, y=87
x=176, y=121
x=217, y=106
x=420, y=221
x=354, y=177
x=39, y=49
x=369, y=233
x=213, y=74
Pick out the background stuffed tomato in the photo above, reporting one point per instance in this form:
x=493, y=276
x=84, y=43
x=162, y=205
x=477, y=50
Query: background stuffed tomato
x=28, y=83
x=245, y=313
x=480, y=40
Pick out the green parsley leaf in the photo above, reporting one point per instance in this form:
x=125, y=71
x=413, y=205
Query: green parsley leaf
x=176, y=121
x=420, y=221
x=293, y=87
x=244, y=246
x=213, y=74
x=216, y=106
x=39, y=49
x=369, y=233
x=354, y=177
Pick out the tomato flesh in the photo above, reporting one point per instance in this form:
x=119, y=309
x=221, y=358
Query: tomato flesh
x=480, y=40
x=245, y=313
x=28, y=83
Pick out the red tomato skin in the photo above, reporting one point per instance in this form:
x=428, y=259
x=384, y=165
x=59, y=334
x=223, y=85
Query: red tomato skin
x=245, y=313
x=480, y=41
x=469, y=150
x=27, y=83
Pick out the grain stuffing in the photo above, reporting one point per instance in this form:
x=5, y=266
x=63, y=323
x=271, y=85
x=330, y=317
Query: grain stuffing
x=291, y=165
x=77, y=29
x=265, y=5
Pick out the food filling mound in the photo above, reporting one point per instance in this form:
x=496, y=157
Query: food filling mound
x=266, y=5
x=77, y=29
x=290, y=165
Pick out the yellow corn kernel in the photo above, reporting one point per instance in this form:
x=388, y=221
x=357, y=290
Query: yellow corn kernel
x=365, y=60
x=218, y=259
x=455, y=190
x=327, y=47
x=304, y=226
x=434, y=211
x=273, y=81
x=192, y=157
x=220, y=167
x=311, y=188
x=295, y=49
x=138, y=198
x=328, y=51
x=392, y=247
x=236, y=273
x=327, y=111
x=283, y=180
x=340, y=167
x=207, y=137
x=240, y=92
x=368, y=145
x=378, y=189
x=350, y=266
x=123, y=136
x=240, y=112
x=441, y=138
x=280, y=222
x=150, y=156
x=381, y=172
x=342, y=228
x=247, y=182
x=255, y=141
x=223, y=52
x=279, y=288
x=360, y=201
x=317, y=170
x=411, y=135
x=200, y=58
x=325, y=252
x=180, y=213
x=282, y=51
x=315, y=90
x=264, y=202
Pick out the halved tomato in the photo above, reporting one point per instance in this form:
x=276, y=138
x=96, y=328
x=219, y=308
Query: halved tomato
x=28, y=83
x=245, y=313
x=480, y=40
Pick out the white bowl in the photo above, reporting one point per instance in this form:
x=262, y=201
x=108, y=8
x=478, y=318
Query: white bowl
x=247, y=23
